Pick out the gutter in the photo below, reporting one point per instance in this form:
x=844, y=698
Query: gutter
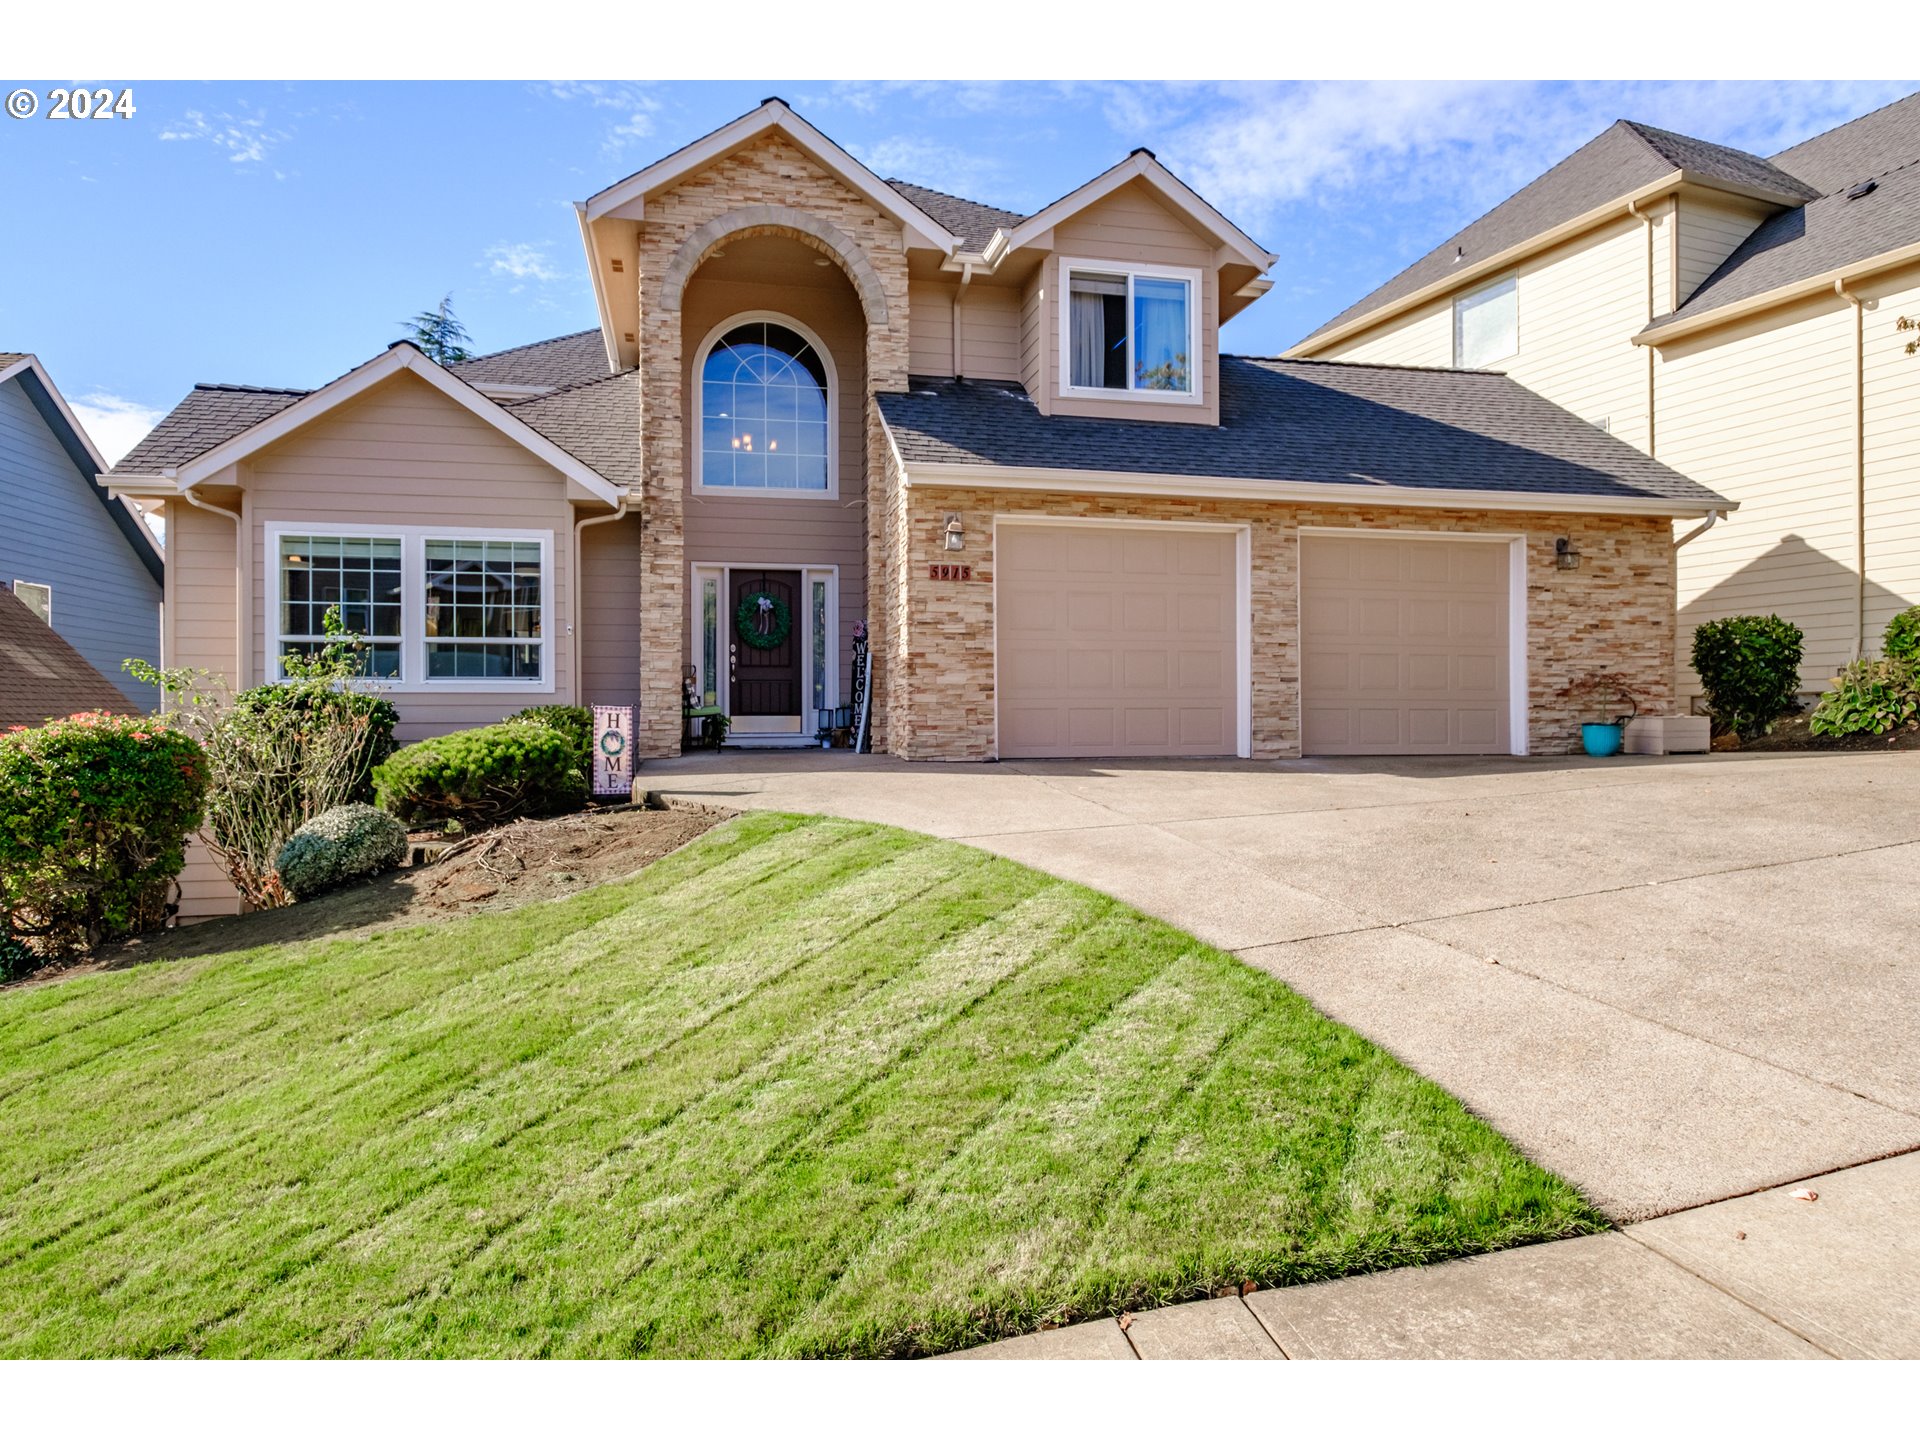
x=1767, y=299
x=574, y=626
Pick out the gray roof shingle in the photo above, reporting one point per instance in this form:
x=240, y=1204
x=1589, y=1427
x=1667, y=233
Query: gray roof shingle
x=1829, y=234
x=1873, y=144
x=1305, y=421
x=597, y=423
x=973, y=222
x=42, y=677
x=1616, y=162
x=564, y=360
x=210, y=415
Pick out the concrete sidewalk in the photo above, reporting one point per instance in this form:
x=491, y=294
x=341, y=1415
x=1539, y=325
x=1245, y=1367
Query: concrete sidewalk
x=1670, y=980
x=1767, y=1276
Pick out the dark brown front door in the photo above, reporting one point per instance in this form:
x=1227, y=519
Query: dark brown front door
x=766, y=677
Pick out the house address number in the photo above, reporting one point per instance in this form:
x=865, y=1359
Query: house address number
x=949, y=572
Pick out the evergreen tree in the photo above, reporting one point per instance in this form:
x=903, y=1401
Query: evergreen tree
x=439, y=334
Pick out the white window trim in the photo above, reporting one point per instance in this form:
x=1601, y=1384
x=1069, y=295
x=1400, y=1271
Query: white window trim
x=1195, y=301
x=696, y=652
x=43, y=588
x=1509, y=284
x=413, y=603
x=696, y=439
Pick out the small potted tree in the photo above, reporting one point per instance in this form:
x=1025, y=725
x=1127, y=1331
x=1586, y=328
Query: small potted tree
x=1606, y=693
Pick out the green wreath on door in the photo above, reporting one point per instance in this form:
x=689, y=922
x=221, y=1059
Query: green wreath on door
x=762, y=620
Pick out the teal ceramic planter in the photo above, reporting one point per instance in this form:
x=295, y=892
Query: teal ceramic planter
x=1601, y=740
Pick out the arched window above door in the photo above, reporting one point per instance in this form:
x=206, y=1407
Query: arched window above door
x=764, y=410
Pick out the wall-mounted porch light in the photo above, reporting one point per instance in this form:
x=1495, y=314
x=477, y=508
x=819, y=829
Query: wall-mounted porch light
x=956, y=533
x=1565, y=556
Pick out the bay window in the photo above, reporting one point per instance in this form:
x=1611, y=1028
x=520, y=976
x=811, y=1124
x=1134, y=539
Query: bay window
x=1132, y=330
x=436, y=607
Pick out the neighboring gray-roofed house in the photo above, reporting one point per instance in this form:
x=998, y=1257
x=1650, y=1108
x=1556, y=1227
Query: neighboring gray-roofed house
x=78, y=557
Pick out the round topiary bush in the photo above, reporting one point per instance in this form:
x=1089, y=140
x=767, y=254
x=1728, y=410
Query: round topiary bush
x=95, y=811
x=1902, y=638
x=348, y=842
x=483, y=777
x=1749, y=665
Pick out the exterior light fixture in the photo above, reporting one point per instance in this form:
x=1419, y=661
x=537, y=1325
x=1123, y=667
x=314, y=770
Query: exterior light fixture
x=1565, y=557
x=956, y=533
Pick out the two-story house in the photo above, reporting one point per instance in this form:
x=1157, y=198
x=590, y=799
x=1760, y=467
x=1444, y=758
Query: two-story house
x=80, y=560
x=1008, y=445
x=1735, y=316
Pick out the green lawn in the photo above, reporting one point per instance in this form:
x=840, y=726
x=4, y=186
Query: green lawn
x=806, y=1087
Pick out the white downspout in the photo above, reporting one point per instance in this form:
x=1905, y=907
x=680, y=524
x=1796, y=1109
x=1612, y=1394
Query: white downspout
x=959, y=350
x=573, y=590
x=1859, y=467
x=1714, y=517
x=1633, y=209
x=242, y=590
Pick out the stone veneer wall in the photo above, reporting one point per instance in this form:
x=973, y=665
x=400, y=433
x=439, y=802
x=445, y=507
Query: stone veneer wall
x=1616, y=612
x=738, y=191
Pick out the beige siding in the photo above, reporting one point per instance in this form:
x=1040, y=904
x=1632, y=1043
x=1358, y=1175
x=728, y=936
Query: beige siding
x=1892, y=451
x=1420, y=337
x=610, y=594
x=1763, y=413
x=1035, y=340
x=403, y=454
x=202, y=591
x=769, y=529
x=1710, y=230
x=990, y=330
x=1132, y=226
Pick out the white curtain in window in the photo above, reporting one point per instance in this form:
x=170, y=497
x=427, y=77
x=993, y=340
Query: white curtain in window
x=1486, y=326
x=1088, y=323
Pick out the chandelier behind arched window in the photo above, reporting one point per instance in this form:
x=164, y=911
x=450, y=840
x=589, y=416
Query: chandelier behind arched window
x=764, y=411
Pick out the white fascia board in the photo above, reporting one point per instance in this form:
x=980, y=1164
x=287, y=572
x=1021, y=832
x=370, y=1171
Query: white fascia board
x=616, y=199
x=1142, y=166
x=401, y=356
x=603, y=302
x=1296, y=492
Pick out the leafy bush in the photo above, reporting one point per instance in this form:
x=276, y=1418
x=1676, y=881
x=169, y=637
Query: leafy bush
x=281, y=754
x=482, y=777
x=1869, y=697
x=17, y=960
x=1749, y=665
x=1605, y=694
x=1902, y=638
x=95, y=812
x=346, y=843
x=573, y=721
x=306, y=705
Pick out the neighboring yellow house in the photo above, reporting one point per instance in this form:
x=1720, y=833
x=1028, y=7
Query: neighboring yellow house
x=1731, y=315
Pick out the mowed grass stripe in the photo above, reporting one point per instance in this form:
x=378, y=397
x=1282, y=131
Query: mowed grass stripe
x=804, y=1087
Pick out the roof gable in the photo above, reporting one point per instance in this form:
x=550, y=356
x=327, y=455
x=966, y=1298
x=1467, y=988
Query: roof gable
x=65, y=427
x=1144, y=166
x=626, y=199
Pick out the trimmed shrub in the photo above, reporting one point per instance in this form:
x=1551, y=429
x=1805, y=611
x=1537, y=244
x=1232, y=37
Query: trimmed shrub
x=95, y=812
x=483, y=777
x=17, y=960
x=1749, y=665
x=306, y=705
x=348, y=842
x=573, y=721
x=1869, y=697
x=1901, y=641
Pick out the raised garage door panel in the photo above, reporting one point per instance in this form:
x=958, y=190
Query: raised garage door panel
x=1115, y=641
x=1404, y=646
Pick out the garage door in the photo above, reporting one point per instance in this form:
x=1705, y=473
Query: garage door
x=1403, y=646
x=1115, y=641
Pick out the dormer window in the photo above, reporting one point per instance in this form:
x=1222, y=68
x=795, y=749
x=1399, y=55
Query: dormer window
x=1132, y=330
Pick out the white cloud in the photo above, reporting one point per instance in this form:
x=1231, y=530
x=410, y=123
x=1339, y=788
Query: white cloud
x=114, y=423
x=246, y=139
x=1251, y=148
x=636, y=105
x=950, y=168
x=521, y=262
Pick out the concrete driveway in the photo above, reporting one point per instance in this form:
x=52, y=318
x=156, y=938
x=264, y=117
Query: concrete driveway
x=1672, y=981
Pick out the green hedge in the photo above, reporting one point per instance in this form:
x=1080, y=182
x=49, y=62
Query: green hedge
x=1749, y=665
x=483, y=777
x=95, y=812
x=573, y=721
x=348, y=842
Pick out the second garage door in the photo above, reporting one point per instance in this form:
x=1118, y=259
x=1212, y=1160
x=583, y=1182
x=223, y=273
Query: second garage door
x=1114, y=640
x=1404, y=646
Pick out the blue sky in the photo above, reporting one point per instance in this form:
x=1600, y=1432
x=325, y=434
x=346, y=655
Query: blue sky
x=275, y=233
